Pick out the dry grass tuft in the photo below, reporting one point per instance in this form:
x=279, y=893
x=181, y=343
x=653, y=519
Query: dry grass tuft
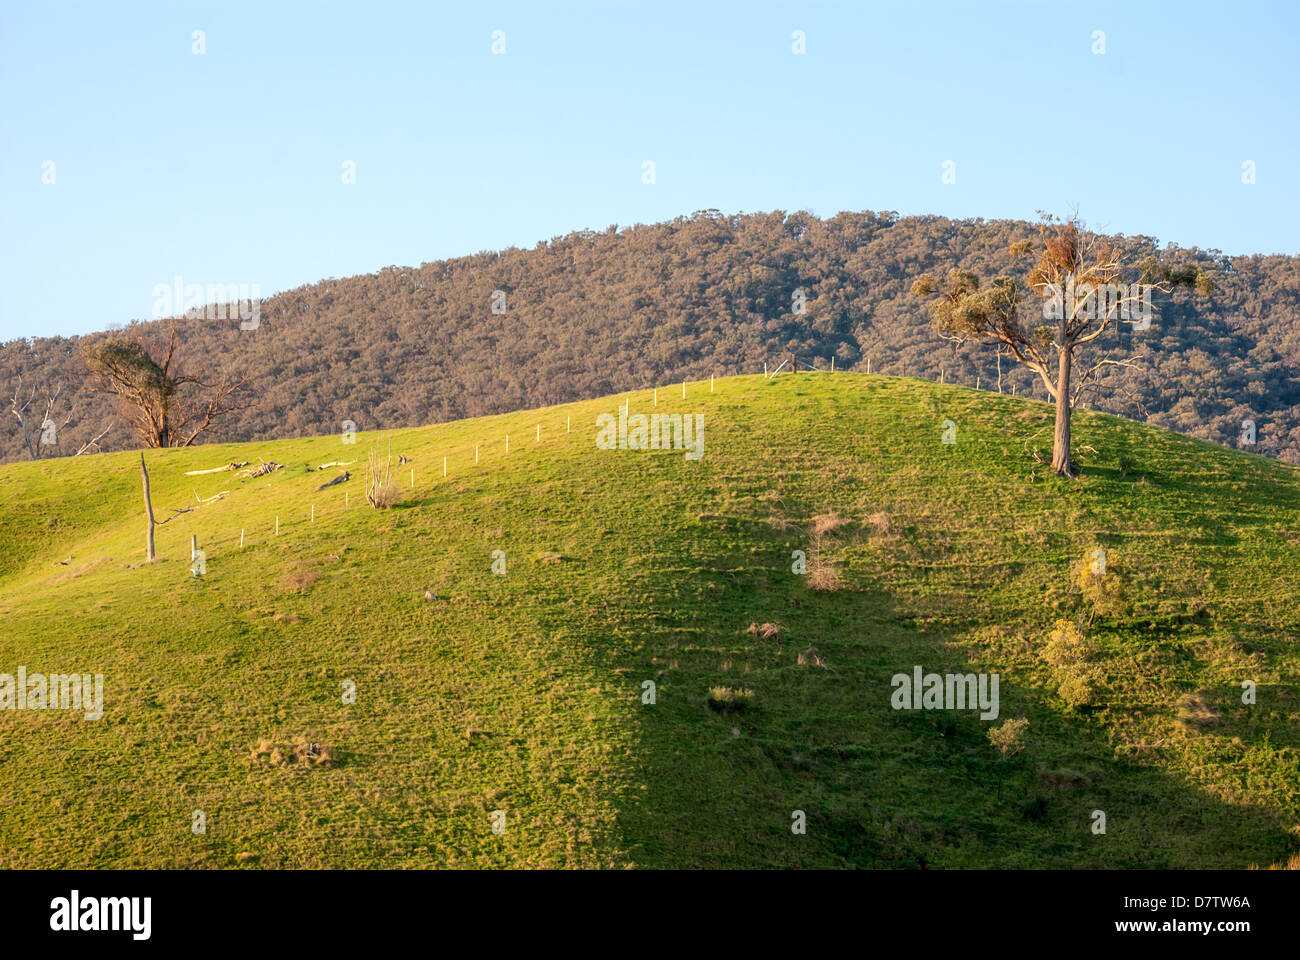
x=298, y=581
x=298, y=752
x=1291, y=863
x=811, y=658
x=822, y=576
x=766, y=630
x=730, y=699
x=1196, y=712
x=1064, y=779
x=827, y=523
x=882, y=524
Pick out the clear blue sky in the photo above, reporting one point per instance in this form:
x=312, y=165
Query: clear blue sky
x=226, y=167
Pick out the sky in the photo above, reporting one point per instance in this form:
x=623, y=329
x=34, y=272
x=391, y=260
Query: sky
x=128, y=159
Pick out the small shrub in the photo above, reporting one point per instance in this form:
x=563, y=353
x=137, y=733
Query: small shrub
x=1009, y=736
x=1099, y=580
x=1067, y=646
x=1078, y=685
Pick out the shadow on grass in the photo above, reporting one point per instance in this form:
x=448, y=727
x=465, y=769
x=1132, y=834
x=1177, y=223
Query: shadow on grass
x=876, y=787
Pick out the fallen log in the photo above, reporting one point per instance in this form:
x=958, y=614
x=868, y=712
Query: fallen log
x=343, y=477
x=262, y=470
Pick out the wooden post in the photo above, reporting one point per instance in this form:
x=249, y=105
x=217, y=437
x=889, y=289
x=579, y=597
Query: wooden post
x=832, y=363
x=868, y=364
x=683, y=389
x=656, y=396
x=568, y=425
x=194, y=546
x=148, y=511
x=476, y=455
x=444, y=466
x=413, y=478
x=765, y=368
x=241, y=538
x=539, y=433
x=277, y=526
x=313, y=513
x=710, y=383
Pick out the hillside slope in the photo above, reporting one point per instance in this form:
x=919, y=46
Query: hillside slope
x=595, y=312
x=479, y=692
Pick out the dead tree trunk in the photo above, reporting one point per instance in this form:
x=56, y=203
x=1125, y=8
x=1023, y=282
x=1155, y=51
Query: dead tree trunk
x=148, y=511
x=1061, y=464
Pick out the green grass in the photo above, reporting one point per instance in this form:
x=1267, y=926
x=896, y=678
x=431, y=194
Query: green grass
x=524, y=692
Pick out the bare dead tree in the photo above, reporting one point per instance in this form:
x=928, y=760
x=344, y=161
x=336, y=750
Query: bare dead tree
x=94, y=441
x=380, y=491
x=39, y=436
x=148, y=511
x=165, y=405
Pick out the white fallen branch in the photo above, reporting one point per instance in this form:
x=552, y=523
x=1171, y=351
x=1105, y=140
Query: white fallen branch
x=227, y=468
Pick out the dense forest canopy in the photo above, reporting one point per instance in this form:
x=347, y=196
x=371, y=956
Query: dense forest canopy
x=592, y=313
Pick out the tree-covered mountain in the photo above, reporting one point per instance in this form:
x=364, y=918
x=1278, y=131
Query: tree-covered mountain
x=593, y=313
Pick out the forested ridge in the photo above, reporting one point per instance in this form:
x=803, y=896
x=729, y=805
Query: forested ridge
x=594, y=313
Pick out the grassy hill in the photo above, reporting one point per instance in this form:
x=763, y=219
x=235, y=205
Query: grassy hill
x=523, y=692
